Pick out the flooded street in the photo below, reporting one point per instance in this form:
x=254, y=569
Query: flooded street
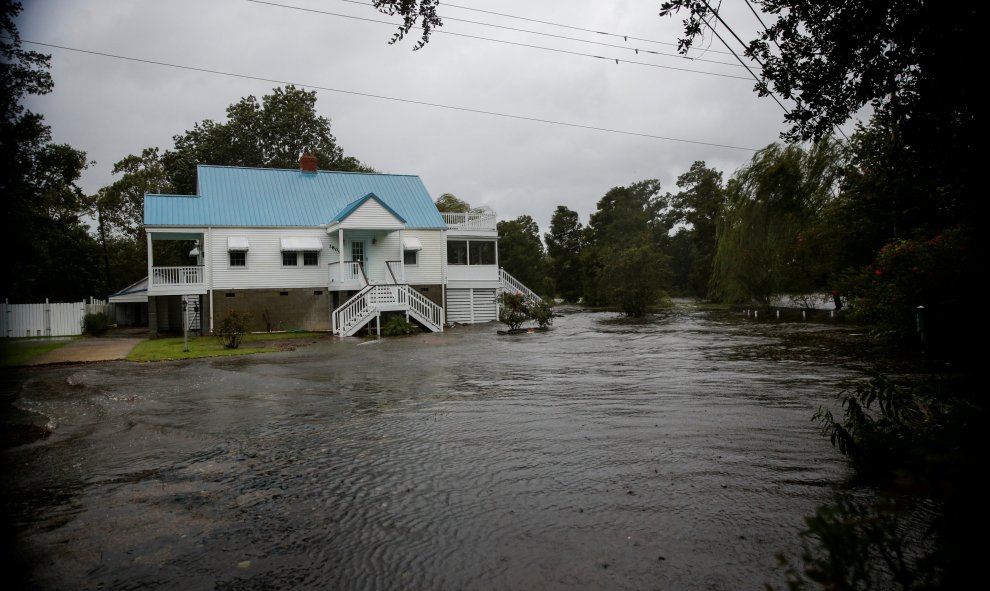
x=676, y=454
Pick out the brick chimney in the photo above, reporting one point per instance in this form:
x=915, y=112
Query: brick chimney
x=307, y=162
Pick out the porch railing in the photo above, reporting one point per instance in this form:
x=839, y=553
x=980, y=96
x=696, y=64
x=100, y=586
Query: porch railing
x=470, y=221
x=353, y=271
x=177, y=276
x=395, y=271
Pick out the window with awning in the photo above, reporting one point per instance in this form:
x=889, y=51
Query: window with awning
x=302, y=243
x=237, y=243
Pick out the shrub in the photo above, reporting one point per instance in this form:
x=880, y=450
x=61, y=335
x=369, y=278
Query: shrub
x=96, y=324
x=541, y=312
x=514, y=309
x=231, y=328
x=398, y=326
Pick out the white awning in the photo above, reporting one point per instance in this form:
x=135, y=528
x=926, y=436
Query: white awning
x=306, y=243
x=411, y=243
x=237, y=243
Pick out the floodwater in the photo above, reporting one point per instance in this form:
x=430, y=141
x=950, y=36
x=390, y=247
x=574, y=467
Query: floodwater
x=673, y=454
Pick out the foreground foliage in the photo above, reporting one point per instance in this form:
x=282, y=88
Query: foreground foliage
x=914, y=447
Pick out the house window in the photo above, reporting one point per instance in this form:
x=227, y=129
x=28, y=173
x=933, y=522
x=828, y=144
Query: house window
x=470, y=252
x=457, y=252
x=482, y=252
x=289, y=258
x=311, y=258
x=238, y=258
x=410, y=257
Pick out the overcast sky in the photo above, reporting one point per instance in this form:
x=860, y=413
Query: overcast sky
x=111, y=107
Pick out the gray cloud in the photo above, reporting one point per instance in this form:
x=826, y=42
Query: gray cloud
x=111, y=108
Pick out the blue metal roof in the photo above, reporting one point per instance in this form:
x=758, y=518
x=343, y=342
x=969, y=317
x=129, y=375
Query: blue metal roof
x=265, y=197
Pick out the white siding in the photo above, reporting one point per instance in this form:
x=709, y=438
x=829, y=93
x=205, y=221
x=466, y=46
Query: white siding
x=371, y=214
x=429, y=267
x=475, y=273
x=264, y=268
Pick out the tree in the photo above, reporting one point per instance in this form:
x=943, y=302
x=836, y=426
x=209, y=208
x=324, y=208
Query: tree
x=272, y=134
x=521, y=253
x=767, y=238
x=633, y=278
x=42, y=200
x=699, y=205
x=564, y=245
x=448, y=202
x=119, y=212
x=622, y=263
x=900, y=58
x=412, y=11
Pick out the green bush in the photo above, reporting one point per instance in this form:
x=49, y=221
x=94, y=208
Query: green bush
x=398, y=326
x=514, y=309
x=231, y=328
x=541, y=312
x=96, y=324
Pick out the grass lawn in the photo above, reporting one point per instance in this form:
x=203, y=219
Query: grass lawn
x=18, y=351
x=171, y=348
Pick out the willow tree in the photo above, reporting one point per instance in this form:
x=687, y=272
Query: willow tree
x=769, y=236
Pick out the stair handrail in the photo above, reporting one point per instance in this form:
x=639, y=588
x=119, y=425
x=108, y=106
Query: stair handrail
x=508, y=281
x=424, y=306
x=345, y=312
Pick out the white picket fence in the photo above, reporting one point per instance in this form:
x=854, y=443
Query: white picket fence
x=48, y=319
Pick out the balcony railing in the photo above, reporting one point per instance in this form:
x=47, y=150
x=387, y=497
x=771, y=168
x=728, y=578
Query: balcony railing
x=164, y=277
x=483, y=220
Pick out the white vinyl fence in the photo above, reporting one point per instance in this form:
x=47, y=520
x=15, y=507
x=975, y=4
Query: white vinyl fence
x=48, y=319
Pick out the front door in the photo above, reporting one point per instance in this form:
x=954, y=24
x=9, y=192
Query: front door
x=358, y=251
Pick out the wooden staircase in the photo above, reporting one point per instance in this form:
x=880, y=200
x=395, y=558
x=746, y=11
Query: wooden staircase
x=370, y=302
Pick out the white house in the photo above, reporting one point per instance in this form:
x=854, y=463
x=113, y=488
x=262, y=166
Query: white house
x=318, y=250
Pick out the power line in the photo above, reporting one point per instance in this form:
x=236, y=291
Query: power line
x=530, y=46
x=522, y=18
x=531, y=32
x=753, y=74
x=742, y=43
x=387, y=98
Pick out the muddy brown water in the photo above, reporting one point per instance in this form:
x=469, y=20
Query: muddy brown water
x=677, y=453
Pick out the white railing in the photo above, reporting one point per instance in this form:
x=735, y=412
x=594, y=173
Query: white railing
x=355, y=312
x=395, y=271
x=175, y=276
x=510, y=283
x=352, y=271
x=470, y=221
x=351, y=313
x=427, y=311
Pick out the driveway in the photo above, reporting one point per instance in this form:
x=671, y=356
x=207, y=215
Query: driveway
x=116, y=344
